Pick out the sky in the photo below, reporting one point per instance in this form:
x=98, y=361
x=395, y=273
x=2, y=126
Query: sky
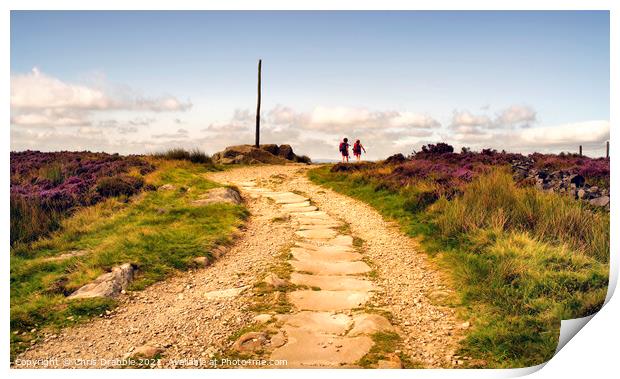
x=144, y=81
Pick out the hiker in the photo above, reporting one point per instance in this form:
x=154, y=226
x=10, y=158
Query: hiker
x=344, y=150
x=357, y=150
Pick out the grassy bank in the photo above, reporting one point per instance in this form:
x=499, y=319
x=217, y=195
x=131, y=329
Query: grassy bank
x=521, y=259
x=159, y=231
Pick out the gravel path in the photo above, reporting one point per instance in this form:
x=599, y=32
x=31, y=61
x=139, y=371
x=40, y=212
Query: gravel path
x=179, y=316
x=188, y=320
x=407, y=281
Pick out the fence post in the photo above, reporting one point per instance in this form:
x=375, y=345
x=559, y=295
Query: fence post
x=607, y=150
x=580, y=151
x=257, y=137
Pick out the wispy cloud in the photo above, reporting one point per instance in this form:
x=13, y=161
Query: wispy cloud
x=180, y=134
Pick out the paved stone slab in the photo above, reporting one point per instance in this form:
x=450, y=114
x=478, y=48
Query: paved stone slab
x=369, y=323
x=319, y=234
x=319, y=218
x=319, y=322
x=301, y=209
x=302, y=254
x=304, y=221
x=325, y=300
x=318, y=226
x=314, y=335
x=314, y=214
x=296, y=205
x=288, y=198
x=332, y=282
x=342, y=241
x=323, y=248
x=331, y=268
x=306, y=349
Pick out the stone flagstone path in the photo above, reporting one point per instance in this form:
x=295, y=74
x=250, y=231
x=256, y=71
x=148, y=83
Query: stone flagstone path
x=328, y=326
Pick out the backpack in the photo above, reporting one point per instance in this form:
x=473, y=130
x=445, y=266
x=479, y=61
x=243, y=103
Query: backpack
x=357, y=148
x=343, y=147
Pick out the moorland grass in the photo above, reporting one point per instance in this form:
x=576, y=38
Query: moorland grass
x=194, y=156
x=521, y=260
x=159, y=231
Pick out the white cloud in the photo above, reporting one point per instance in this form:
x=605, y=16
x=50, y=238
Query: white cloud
x=516, y=115
x=339, y=116
x=51, y=117
x=38, y=99
x=127, y=129
x=108, y=123
x=413, y=120
x=466, y=118
x=36, y=90
x=566, y=134
x=89, y=130
x=141, y=121
x=282, y=115
x=162, y=104
x=552, y=139
x=348, y=120
x=379, y=130
x=180, y=134
x=467, y=127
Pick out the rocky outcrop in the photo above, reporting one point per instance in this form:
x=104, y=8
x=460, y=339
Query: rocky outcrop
x=559, y=181
x=219, y=195
x=107, y=285
x=395, y=159
x=249, y=154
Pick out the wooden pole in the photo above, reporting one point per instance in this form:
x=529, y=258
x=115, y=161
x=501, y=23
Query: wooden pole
x=580, y=151
x=607, y=151
x=258, y=107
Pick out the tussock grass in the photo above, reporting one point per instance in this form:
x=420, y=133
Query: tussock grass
x=521, y=260
x=194, y=156
x=159, y=231
x=31, y=219
x=494, y=201
x=52, y=172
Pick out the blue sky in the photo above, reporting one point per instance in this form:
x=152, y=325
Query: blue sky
x=523, y=81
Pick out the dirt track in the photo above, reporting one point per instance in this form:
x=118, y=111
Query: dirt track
x=185, y=318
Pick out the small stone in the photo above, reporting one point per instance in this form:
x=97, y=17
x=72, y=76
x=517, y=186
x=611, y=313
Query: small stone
x=262, y=318
x=202, y=261
x=601, y=201
x=581, y=193
x=167, y=187
x=250, y=341
x=145, y=351
x=219, y=195
x=273, y=280
x=393, y=362
x=277, y=340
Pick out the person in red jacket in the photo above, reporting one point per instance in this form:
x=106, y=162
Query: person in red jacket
x=357, y=150
x=344, y=150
